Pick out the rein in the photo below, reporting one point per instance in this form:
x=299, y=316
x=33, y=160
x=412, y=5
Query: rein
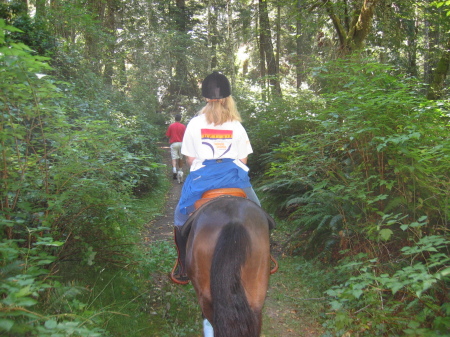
x=275, y=267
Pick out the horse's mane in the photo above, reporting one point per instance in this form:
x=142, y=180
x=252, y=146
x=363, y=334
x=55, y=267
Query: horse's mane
x=232, y=313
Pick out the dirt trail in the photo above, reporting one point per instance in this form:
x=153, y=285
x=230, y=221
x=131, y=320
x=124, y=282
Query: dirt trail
x=162, y=227
x=281, y=318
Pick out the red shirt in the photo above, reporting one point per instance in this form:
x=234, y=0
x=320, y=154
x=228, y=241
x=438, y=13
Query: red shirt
x=175, y=132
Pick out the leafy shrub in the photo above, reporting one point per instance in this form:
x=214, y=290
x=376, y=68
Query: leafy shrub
x=269, y=123
x=65, y=193
x=25, y=282
x=377, y=149
x=370, y=179
x=405, y=299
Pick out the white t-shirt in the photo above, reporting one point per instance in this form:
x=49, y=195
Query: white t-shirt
x=206, y=141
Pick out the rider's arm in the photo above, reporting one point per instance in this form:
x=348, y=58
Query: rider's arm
x=189, y=160
x=244, y=160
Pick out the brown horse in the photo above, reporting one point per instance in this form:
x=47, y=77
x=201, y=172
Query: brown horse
x=228, y=262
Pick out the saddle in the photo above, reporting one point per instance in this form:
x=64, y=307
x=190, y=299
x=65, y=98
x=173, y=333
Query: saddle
x=219, y=192
x=181, y=238
x=207, y=197
x=211, y=194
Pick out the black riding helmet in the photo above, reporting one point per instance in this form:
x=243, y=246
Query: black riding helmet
x=216, y=86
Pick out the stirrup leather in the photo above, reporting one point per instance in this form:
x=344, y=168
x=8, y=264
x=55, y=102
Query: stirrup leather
x=173, y=278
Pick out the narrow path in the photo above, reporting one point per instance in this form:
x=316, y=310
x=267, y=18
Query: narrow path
x=162, y=227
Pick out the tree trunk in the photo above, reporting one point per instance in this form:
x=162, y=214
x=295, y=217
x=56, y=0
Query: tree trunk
x=110, y=27
x=262, y=63
x=41, y=10
x=212, y=35
x=411, y=27
x=440, y=74
x=230, y=44
x=432, y=33
x=360, y=28
x=267, y=48
x=93, y=44
x=277, y=61
x=180, y=83
x=353, y=36
x=298, y=40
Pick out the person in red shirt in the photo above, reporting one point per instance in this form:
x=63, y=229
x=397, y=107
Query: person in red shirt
x=175, y=132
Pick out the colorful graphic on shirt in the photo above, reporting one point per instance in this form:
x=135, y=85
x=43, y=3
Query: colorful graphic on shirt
x=217, y=134
x=219, y=141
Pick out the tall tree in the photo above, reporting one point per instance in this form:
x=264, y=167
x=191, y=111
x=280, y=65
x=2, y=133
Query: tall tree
x=440, y=74
x=266, y=48
x=352, y=22
x=431, y=41
x=180, y=77
x=213, y=34
x=110, y=27
x=94, y=43
x=278, y=30
x=230, y=45
x=298, y=42
x=41, y=9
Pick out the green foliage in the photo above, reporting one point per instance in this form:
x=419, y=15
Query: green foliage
x=69, y=176
x=370, y=176
x=33, y=31
x=444, y=4
x=405, y=300
x=92, y=185
x=376, y=149
x=161, y=255
x=270, y=123
x=361, y=168
x=25, y=282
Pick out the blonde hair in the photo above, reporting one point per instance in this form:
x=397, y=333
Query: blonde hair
x=220, y=111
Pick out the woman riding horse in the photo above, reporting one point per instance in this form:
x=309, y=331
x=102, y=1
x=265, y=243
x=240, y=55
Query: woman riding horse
x=216, y=147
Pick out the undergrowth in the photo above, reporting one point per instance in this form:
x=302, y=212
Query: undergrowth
x=70, y=218
x=365, y=188
x=136, y=299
